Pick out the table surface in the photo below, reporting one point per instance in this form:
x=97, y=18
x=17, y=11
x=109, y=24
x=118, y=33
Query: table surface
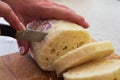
x=102, y=15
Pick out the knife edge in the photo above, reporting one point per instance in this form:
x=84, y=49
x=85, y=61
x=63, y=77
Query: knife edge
x=28, y=34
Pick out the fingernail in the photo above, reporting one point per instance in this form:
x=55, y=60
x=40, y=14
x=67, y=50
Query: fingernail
x=21, y=26
x=83, y=23
x=22, y=50
x=86, y=25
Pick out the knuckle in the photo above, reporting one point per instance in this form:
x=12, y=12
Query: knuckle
x=8, y=10
x=82, y=19
x=5, y=9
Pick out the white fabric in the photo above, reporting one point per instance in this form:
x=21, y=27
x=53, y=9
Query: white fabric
x=8, y=45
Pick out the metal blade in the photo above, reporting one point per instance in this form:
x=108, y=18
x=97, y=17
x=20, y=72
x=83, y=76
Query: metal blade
x=30, y=35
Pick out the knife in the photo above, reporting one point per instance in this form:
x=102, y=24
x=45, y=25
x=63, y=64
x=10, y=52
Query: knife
x=28, y=34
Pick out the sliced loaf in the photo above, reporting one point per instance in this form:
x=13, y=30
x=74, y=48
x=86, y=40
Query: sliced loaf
x=85, y=53
x=63, y=36
x=108, y=69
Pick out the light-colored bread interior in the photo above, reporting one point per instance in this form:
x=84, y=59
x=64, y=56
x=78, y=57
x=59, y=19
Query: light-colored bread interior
x=83, y=54
x=108, y=69
x=62, y=37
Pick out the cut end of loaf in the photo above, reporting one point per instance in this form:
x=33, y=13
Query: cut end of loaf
x=60, y=45
x=62, y=37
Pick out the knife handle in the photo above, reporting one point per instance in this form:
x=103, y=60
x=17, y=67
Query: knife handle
x=6, y=30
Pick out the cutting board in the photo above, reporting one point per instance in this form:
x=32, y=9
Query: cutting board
x=17, y=67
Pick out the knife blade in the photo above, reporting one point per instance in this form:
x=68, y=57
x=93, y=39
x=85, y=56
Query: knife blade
x=28, y=34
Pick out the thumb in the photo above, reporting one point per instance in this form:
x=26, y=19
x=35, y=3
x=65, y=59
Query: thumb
x=10, y=17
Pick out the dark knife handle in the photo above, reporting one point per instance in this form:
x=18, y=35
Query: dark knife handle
x=6, y=30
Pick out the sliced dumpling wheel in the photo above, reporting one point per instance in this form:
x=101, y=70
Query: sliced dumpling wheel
x=108, y=69
x=85, y=53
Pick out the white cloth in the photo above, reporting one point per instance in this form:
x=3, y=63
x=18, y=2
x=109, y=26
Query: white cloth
x=8, y=45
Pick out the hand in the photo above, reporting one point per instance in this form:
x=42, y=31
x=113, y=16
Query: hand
x=29, y=10
x=9, y=15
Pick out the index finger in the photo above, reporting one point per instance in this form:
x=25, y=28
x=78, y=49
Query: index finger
x=9, y=16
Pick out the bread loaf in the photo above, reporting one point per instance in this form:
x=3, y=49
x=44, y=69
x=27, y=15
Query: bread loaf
x=63, y=36
x=83, y=54
x=98, y=70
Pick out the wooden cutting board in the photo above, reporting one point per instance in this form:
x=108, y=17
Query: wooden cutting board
x=17, y=67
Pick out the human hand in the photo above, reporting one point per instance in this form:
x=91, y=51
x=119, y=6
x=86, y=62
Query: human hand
x=9, y=16
x=29, y=10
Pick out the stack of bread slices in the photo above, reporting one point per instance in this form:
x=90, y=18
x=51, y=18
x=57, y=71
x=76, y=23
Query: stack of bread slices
x=69, y=50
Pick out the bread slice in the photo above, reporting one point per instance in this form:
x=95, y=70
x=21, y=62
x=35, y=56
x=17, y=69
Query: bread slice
x=108, y=69
x=63, y=36
x=87, y=52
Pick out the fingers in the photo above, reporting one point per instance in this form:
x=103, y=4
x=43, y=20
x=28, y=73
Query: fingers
x=9, y=16
x=53, y=10
x=66, y=14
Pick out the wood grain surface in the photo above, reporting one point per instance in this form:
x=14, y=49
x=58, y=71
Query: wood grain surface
x=17, y=67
